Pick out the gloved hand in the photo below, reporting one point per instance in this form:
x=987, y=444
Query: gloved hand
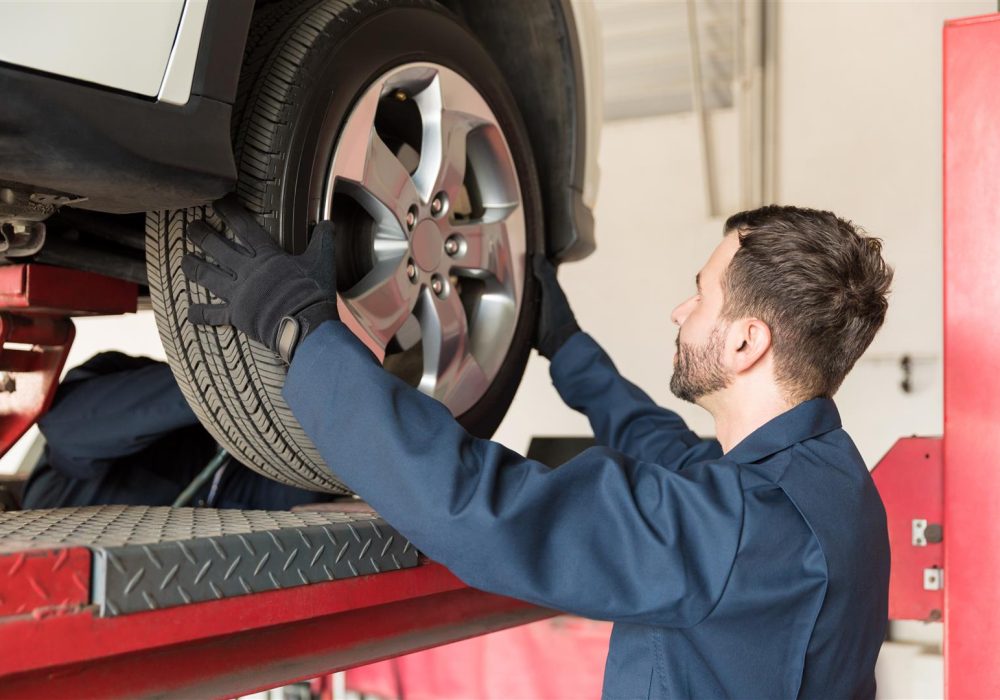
x=273, y=297
x=556, y=322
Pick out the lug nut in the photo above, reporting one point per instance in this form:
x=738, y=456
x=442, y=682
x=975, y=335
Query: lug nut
x=452, y=246
x=411, y=271
x=438, y=204
x=437, y=284
x=400, y=95
x=411, y=218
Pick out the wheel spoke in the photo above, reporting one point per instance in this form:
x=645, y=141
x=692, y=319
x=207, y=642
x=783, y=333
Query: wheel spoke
x=451, y=374
x=382, y=301
x=485, y=252
x=450, y=110
x=376, y=177
x=445, y=334
x=468, y=385
x=455, y=128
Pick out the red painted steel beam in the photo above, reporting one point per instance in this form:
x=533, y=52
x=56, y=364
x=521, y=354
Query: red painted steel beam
x=971, y=349
x=43, y=289
x=246, y=643
x=36, y=302
x=909, y=480
x=34, y=330
x=30, y=376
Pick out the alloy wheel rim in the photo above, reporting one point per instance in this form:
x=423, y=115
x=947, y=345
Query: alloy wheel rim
x=437, y=282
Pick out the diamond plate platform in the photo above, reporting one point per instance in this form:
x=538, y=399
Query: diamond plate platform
x=147, y=558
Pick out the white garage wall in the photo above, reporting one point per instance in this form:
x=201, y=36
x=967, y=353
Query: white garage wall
x=652, y=238
x=860, y=133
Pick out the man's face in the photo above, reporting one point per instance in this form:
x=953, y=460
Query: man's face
x=698, y=364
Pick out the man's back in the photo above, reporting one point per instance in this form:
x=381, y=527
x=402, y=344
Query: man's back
x=804, y=609
x=829, y=483
x=798, y=616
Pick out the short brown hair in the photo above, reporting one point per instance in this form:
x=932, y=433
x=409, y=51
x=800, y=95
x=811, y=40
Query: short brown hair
x=820, y=284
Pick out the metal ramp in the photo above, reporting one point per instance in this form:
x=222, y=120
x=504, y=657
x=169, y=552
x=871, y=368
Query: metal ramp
x=126, y=601
x=151, y=558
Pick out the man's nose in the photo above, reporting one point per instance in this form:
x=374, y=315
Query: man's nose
x=680, y=313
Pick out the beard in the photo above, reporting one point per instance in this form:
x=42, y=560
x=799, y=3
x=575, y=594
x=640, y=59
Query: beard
x=698, y=370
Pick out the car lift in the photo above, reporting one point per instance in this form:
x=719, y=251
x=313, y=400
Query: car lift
x=119, y=601
x=135, y=602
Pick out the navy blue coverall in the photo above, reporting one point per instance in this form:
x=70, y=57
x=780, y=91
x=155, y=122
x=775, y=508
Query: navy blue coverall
x=120, y=432
x=755, y=574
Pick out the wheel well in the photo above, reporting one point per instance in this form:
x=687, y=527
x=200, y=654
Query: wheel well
x=534, y=44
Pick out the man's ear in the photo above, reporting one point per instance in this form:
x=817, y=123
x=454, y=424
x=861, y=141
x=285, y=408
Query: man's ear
x=749, y=341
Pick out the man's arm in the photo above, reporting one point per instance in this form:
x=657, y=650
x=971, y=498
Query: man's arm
x=98, y=419
x=621, y=415
x=605, y=535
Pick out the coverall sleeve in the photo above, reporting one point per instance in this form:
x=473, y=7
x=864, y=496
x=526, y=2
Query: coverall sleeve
x=622, y=415
x=97, y=420
x=604, y=536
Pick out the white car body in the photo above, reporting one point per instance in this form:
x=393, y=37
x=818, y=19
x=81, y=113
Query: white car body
x=149, y=48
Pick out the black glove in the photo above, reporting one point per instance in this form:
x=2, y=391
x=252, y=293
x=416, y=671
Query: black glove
x=556, y=322
x=273, y=297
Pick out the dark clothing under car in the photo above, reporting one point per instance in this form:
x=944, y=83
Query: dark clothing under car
x=120, y=432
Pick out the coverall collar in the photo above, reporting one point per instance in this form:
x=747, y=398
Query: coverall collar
x=807, y=420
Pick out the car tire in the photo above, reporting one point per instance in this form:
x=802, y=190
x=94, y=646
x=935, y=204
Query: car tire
x=304, y=76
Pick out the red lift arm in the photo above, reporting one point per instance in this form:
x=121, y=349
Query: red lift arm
x=35, y=305
x=243, y=644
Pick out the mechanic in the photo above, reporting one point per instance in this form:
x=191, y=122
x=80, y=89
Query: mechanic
x=120, y=432
x=758, y=570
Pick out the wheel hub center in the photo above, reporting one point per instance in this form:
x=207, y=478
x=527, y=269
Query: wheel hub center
x=427, y=246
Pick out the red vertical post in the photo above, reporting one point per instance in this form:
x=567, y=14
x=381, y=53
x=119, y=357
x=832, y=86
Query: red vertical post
x=972, y=357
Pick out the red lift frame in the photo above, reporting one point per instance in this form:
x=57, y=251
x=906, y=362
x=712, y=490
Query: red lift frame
x=971, y=352
x=248, y=643
x=35, y=305
x=53, y=642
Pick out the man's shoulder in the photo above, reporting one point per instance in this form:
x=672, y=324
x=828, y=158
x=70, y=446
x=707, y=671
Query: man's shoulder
x=827, y=480
x=832, y=455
